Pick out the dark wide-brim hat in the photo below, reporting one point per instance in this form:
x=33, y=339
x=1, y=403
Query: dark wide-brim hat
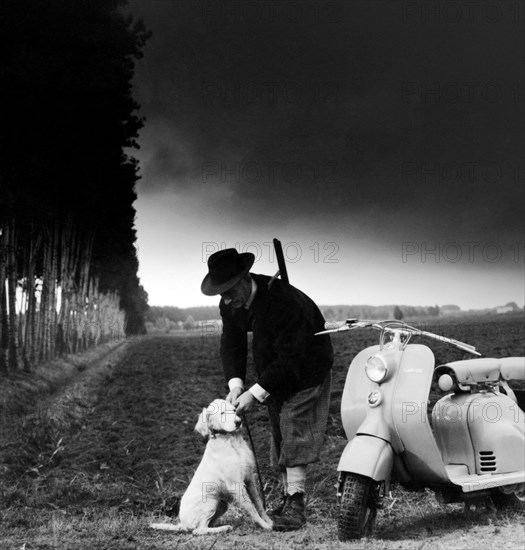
x=225, y=269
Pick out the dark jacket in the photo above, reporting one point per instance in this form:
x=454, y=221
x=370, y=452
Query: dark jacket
x=287, y=356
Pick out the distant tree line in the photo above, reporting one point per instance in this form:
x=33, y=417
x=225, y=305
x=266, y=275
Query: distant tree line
x=68, y=264
x=166, y=318
x=176, y=314
x=340, y=313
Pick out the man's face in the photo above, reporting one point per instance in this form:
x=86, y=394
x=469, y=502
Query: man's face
x=239, y=294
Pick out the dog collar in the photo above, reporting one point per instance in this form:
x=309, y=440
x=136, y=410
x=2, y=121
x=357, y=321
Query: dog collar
x=214, y=433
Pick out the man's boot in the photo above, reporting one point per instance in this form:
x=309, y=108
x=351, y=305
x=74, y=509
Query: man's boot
x=292, y=516
x=278, y=507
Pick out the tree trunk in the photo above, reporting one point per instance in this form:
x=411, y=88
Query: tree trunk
x=31, y=313
x=65, y=279
x=52, y=302
x=12, y=280
x=43, y=352
x=84, y=289
x=4, y=343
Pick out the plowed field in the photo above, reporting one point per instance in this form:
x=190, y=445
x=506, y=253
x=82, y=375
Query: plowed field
x=124, y=455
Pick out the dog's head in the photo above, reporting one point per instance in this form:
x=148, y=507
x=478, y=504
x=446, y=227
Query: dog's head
x=218, y=417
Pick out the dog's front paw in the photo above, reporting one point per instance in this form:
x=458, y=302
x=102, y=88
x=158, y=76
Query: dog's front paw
x=267, y=518
x=268, y=524
x=165, y=526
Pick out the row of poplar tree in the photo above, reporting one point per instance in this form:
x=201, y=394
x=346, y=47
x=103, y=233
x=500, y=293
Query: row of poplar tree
x=68, y=263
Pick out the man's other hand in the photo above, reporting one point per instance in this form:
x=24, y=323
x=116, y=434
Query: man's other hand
x=244, y=402
x=234, y=394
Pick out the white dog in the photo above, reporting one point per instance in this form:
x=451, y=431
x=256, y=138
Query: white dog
x=226, y=474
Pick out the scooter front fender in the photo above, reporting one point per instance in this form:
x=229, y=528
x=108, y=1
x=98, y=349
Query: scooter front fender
x=368, y=456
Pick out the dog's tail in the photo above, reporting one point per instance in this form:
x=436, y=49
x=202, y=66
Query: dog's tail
x=166, y=526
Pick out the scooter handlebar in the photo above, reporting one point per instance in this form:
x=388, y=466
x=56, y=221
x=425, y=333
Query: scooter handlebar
x=399, y=327
x=342, y=326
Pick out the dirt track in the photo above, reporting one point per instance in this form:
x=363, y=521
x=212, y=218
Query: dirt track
x=128, y=461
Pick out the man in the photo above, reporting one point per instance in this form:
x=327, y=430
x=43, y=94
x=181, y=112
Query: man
x=293, y=367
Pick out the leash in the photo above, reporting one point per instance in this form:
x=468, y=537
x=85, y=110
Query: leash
x=245, y=420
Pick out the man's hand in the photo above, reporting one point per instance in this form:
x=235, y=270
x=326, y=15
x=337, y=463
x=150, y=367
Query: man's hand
x=234, y=394
x=244, y=402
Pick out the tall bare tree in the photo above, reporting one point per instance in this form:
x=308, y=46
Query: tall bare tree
x=68, y=265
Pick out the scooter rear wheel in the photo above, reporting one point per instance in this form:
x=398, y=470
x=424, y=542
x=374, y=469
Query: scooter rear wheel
x=508, y=501
x=357, y=507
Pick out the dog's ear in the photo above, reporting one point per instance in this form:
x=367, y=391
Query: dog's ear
x=202, y=426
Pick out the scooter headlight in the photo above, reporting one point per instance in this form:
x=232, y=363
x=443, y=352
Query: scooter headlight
x=376, y=368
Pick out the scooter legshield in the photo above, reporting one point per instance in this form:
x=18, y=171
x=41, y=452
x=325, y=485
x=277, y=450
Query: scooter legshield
x=368, y=456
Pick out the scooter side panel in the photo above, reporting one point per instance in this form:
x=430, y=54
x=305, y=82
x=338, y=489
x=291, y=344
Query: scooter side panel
x=368, y=456
x=422, y=455
x=483, y=431
x=497, y=428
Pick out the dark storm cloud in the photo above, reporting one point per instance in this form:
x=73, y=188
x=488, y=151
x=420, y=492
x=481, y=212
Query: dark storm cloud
x=334, y=108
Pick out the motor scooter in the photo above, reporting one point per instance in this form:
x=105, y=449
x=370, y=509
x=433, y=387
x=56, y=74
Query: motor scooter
x=472, y=446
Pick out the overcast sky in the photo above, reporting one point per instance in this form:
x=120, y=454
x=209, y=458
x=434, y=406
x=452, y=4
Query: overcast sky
x=381, y=141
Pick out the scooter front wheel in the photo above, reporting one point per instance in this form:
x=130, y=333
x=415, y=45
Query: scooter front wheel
x=357, y=506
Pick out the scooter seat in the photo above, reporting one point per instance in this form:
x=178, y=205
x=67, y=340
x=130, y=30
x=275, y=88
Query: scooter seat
x=513, y=368
x=472, y=371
